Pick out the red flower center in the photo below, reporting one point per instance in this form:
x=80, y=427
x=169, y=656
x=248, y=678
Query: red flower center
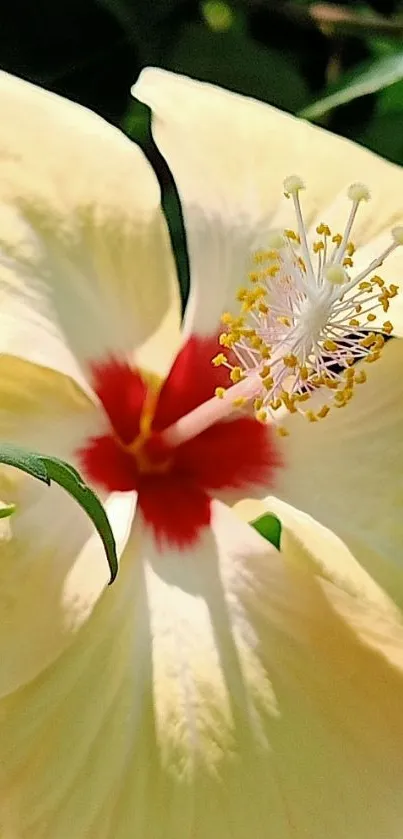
x=174, y=485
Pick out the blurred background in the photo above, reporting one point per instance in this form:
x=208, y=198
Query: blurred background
x=340, y=65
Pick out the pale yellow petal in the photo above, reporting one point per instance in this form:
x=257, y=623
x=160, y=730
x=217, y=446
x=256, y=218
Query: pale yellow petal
x=328, y=555
x=49, y=539
x=226, y=693
x=229, y=156
x=347, y=470
x=86, y=267
x=391, y=272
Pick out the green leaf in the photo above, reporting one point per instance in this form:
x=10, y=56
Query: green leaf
x=48, y=469
x=147, y=25
x=384, y=135
x=370, y=78
x=137, y=124
x=5, y=512
x=235, y=61
x=269, y=527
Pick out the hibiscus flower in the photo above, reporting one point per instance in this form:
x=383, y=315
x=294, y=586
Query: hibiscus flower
x=221, y=689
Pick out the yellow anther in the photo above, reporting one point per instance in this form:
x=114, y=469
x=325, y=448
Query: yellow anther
x=350, y=249
x=348, y=262
x=264, y=371
x=323, y=411
x=275, y=404
x=254, y=276
x=259, y=257
x=348, y=374
x=261, y=416
x=227, y=339
x=247, y=305
x=329, y=345
x=368, y=341
x=318, y=246
x=265, y=351
x=317, y=380
x=360, y=378
x=379, y=342
x=256, y=342
x=272, y=271
x=384, y=300
x=323, y=229
x=239, y=402
x=219, y=359
x=387, y=327
x=288, y=401
x=358, y=308
x=330, y=383
x=236, y=375
x=393, y=290
x=365, y=286
x=237, y=323
x=282, y=432
x=373, y=356
x=263, y=309
x=371, y=317
x=304, y=372
x=301, y=264
x=292, y=235
x=226, y=318
x=220, y=392
x=241, y=294
x=258, y=403
x=290, y=360
x=337, y=239
x=268, y=382
x=378, y=281
x=349, y=360
x=302, y=397
x=284, y=321
x=310, y=416
x=354, y=322
x=339, y=396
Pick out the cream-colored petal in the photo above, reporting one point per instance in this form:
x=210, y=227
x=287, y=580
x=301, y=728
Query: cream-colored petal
x=226, y=693
x=229, y=156
x=43, y=410
x=329, y=556
x=49, y=540
x=86, y=267
x=347, y=470
x=391, y=272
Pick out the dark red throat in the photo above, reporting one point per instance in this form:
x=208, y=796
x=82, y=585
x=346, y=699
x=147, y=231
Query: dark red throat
x=175, y=486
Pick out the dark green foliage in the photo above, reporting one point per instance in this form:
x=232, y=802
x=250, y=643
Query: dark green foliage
x=291, y=53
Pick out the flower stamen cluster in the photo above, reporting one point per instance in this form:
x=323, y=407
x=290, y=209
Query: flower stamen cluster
x=306, y=319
